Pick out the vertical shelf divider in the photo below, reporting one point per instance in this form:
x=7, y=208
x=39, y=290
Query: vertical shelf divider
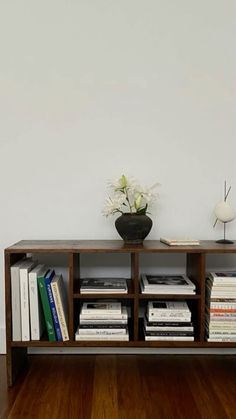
x=16, y=358
x=135, y=282
x=196, y=271
x=74, y=276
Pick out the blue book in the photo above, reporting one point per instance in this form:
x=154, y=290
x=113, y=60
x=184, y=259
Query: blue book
x=50, y=274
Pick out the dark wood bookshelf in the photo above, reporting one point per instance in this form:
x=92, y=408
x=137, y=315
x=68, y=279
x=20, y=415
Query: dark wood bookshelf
x=195, y=269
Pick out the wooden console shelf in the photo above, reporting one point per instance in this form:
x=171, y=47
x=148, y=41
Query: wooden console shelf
x=195, y=269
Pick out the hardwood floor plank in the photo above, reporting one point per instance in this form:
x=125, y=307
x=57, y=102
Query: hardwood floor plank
x=104, y=402
x=122, y=387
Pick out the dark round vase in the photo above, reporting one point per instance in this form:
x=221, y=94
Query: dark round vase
x=133, y=228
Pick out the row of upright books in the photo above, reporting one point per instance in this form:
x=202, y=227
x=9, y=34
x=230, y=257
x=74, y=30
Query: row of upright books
x=168, y=320
x=221, y=307
x=103, y=320
x=39, y=302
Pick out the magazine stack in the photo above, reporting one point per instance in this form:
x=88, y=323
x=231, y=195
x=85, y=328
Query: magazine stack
x=103, y=321
x=168, y=320
x=167, y=284
x=221, y=307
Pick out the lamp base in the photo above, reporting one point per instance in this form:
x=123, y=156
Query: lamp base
x=224, y=241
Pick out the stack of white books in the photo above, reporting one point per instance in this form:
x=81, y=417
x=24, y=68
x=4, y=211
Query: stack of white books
x=180, y=242
x=221, y=306
x=103, y=286
x=168, y=320
x=103, y=320
x=167, y=284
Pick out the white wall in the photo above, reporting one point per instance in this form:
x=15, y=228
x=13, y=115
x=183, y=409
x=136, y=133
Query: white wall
x=92, y=89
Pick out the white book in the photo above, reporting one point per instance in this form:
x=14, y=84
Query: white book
x=122, y=316
x=221, y=339
x=36, y=313
x=174, y=318
x=103, y=322
x=167, y=307
x=101, y=307
x=15, y=298
x=179, y=242
x=102, y=332
x=177, y=338
x=61, y=303
x=101, y=337
x=24, y=299
x=222, y=277
x=167, y=281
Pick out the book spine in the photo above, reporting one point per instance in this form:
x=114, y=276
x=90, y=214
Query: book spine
x=60, y=311
x=99, y=312
x=53, y=309
x=24, y=296
x=170, y=338
x=15, y=303
x=46, y=309
x=34, y=307
x=102, y=332
x=103, y=317
x=106, y=337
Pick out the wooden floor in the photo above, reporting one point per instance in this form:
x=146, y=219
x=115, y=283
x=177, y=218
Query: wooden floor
x=122, y=387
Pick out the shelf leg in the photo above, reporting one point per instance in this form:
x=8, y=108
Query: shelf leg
x=17, y=361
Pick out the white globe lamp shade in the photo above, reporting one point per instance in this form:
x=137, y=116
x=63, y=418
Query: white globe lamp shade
x=224, y=212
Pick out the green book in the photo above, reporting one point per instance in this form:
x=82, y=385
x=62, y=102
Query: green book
x=46, y=308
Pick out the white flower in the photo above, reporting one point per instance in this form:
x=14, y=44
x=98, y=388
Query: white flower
x=129, y=197
x=113, y=205
x=123, y=182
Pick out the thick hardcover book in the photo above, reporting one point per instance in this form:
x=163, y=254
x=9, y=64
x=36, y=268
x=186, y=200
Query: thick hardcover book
x=99, y=307
x=223, y=277
x=170, y=318
x=170, y=338
x=168, y=333
x=48, y=279
x=24, y=299
x=164, y=282
x=46, y=309
x=165, y=328
x=169, y=323
x=15, y=298
x=102, y=331
x=37, y=323
x=103, y=285
x=107, y=316
x=103, y=322
x=167, y=307
x=61, y=303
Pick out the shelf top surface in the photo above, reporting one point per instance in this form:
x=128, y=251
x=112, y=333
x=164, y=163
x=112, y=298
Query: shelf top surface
x=106, y=246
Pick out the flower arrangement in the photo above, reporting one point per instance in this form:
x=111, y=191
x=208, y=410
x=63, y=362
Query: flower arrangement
x=128, y=197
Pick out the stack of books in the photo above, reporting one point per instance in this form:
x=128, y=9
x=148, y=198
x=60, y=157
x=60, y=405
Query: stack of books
x=167, y=284
x=39, y=301
x=168, y=320
x=179, y=242
x=103, y=286
x=103, y=320
x=221, y=307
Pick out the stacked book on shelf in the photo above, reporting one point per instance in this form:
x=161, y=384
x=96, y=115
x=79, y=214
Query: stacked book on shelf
x=39, y=302
x=103, y=320
x=221, y=306
x=168, y=320
x=103, y=286
x=180, y=242
x=167, y=284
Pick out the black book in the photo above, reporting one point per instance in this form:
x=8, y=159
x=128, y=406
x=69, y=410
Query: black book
x=167, y=333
